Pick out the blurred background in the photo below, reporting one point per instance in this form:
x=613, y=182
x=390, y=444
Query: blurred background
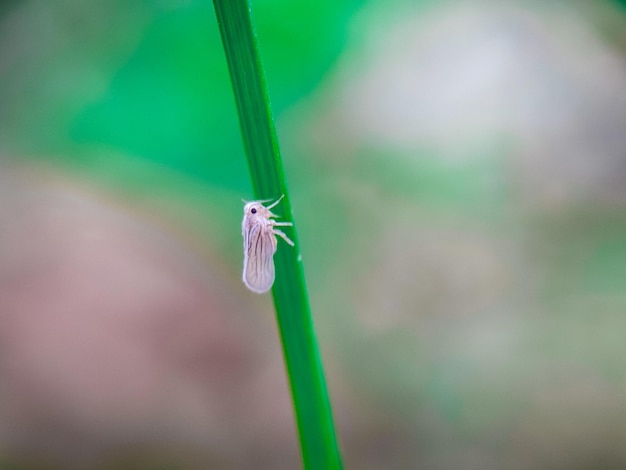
x=458, y=177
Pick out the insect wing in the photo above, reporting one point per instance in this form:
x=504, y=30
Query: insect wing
x=259, y=248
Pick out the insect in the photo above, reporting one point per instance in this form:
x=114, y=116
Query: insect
x=259, y=244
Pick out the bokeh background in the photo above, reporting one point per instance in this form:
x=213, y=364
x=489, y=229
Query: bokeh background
x=458, y=177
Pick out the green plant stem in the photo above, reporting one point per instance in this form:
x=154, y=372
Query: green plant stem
x=310, y=397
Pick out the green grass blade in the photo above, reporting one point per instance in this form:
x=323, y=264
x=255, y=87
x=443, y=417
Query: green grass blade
x=312, y=407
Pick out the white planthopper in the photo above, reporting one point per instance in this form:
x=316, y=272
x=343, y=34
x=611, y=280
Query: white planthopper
x=259, y=244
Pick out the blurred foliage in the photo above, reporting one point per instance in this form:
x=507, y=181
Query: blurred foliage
x=148, y=80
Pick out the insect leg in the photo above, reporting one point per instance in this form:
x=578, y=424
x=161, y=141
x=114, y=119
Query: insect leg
x=283, y=236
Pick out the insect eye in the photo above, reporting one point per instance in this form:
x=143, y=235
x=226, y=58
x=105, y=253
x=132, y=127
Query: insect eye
x=253, y=210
